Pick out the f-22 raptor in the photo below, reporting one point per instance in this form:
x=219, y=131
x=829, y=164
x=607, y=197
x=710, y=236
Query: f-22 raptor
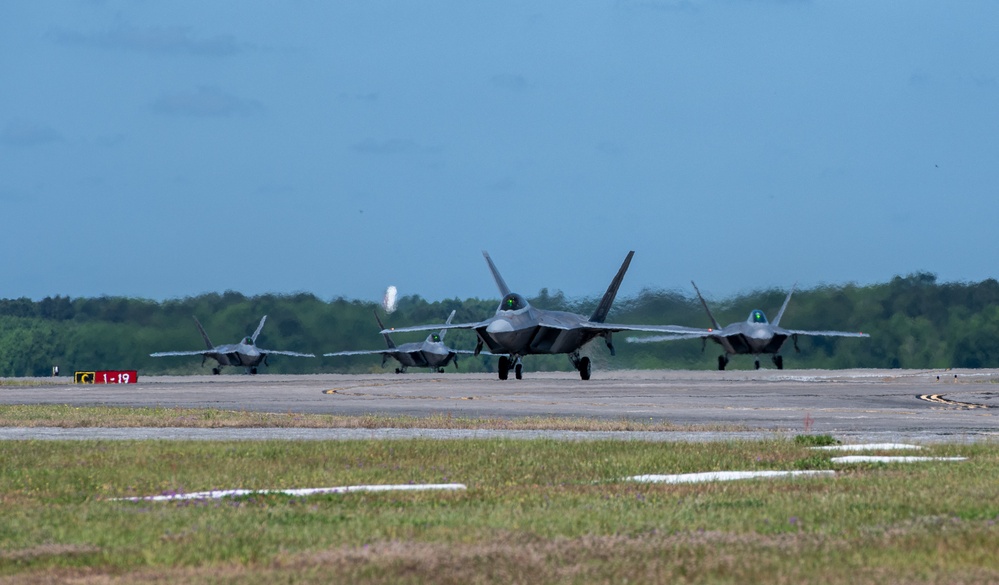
x=430, y=353
x=753, y=336
x=518, y=329
x=245, y=353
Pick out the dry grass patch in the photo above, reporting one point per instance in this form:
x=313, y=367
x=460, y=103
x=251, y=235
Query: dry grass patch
x=686, y=557
x=66, y=416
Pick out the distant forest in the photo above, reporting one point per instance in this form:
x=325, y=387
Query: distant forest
x=914, y=322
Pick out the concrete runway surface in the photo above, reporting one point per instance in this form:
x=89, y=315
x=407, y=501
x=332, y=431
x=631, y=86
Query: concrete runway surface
x=853, y=405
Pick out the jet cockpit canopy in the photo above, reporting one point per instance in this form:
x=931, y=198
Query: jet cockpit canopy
x=513, y=302
x=757, y=316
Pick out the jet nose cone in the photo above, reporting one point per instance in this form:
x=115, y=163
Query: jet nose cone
x=499, y=326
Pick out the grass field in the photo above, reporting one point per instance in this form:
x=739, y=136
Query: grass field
x=535, y=511
x=62, y=415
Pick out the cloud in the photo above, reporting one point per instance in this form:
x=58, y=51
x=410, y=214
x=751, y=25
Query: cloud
x=206, y=102
x=21, y=133
x=172, y=40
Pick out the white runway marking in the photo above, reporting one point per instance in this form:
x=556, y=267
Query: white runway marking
x=724, y=476
x=868, y=447
x=880, y=459
x=216, y=494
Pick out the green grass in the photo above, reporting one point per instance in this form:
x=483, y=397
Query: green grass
x=536, y=511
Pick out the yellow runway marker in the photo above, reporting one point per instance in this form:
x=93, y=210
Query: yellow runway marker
x=939, y=399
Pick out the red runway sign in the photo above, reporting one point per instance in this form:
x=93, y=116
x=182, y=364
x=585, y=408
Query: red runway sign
x=108, y=377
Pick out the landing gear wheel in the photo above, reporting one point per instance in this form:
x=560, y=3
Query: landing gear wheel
x=253, y=371
x=518, y=371
x=779, y=362
x=584, y=368
x=757, y=364
x=440, y=370
x=398, y=371
x=216, y=371
x=504, y=367
x=722, y=362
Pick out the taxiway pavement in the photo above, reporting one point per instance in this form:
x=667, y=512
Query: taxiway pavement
x=929, y=405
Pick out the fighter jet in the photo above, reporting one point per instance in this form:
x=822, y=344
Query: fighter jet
x=753, y=336
x=518, y=329
x=431, y=353
x=245, y=353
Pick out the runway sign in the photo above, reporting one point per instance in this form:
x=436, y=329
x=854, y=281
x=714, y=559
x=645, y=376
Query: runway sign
x=108, y=377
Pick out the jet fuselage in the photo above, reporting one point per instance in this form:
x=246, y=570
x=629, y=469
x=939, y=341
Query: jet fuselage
x=750, y=338
x=530, y=331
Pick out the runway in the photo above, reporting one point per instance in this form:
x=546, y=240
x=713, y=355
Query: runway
x=932, y=405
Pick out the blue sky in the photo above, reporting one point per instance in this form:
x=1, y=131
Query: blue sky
x=166, y=149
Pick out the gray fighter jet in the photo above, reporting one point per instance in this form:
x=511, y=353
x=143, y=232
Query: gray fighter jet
x=245, y=353
x=518, y=329
x=753, y=336
x=431, y=353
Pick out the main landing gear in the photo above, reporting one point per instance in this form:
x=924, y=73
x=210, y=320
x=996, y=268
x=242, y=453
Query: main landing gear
x=582, y=364
x=777, y=358
x=504, y=368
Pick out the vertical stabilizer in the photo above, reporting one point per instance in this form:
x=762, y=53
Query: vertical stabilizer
x=448, y=322
x=605, y=303
x=784, y=306
x=208, y=342
x=388, y=340
x=259, y=329
x=500, y=283
x=714, y=322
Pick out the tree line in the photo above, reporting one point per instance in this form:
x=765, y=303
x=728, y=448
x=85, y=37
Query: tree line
x=914, y=322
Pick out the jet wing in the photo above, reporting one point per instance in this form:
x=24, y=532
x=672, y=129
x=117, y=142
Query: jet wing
x=363, y=352
x=830, y=333
x=169, y=353
x=291, y=353
x=668, y=329
x=436, y=327
x=653, y=338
